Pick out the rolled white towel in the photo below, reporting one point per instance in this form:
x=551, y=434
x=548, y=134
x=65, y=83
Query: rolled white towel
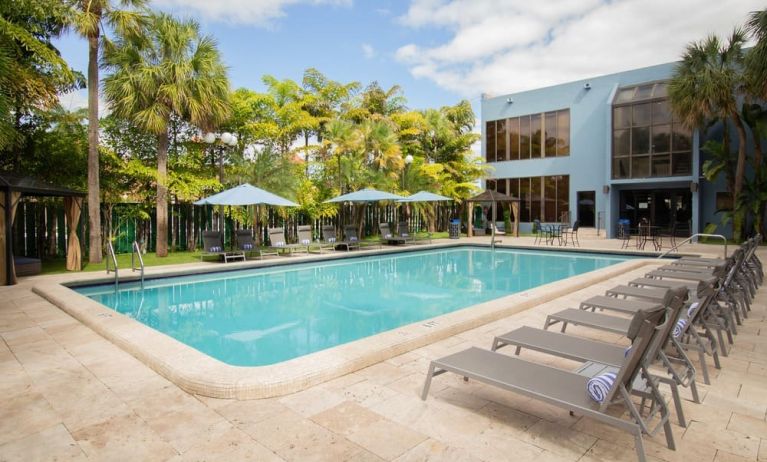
x=679, y=328
x=691, y=309
x=597, y=387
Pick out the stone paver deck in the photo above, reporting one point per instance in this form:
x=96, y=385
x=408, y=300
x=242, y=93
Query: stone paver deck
x=66, y=393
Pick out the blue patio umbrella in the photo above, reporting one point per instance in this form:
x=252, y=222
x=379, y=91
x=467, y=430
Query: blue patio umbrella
x=425, y=196
x=246, y=194
x=366, y=195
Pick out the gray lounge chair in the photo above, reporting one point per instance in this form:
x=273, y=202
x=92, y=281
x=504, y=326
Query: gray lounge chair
x=277, y=241
x=388, y=237
x=213, y=246
x=350, y=232
x=567, y=389
x=703, y=296
x=247, y=246
x=329, y=240
x=403, y=232
x=593, y=353
x=304, y=238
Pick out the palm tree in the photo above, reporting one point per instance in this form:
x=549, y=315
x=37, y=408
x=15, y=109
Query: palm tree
x=704, y=87
x=756, y=60
x=169, y=71
x=88, y=18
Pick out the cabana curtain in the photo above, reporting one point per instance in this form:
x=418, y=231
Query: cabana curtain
x=72, y=209
x=4, y=254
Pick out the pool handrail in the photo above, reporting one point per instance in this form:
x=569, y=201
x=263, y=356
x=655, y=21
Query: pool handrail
x=689, y=239
x=113, y=258
x=136, y=250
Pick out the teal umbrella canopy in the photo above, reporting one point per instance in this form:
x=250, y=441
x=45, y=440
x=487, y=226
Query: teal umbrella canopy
x=246, y=194
x=425, y=196
x=366, y=195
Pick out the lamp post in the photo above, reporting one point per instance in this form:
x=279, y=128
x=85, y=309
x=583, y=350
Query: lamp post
x=408, y=161
x=224, y=140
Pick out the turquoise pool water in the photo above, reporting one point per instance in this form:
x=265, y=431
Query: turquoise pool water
x=268, y=315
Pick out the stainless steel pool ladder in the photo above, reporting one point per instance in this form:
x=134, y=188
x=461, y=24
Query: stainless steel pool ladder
x=113, y=258
x=136, y=252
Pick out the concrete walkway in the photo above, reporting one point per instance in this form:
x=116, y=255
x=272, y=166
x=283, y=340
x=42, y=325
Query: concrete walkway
x=68, y=394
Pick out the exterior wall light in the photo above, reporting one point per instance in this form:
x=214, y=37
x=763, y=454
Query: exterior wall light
x=587, y=86
x=693, y=186
x=509, y=100
x=606, y=189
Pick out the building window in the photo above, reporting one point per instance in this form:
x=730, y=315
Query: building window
x=531, y=136
x=723, y=202
x=647, y=140
x=544, y=198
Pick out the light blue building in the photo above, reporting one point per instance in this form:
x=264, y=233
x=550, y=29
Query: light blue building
x=599, y=150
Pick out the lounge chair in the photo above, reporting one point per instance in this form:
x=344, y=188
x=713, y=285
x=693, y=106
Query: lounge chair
x=246, y=244
x=389, y=237
x=213, y=246
x=350, y=233
x=329, y=239
x=605, y=355
x=574, y=392
x=403, y=232
x=702, y=296
x=304, y=238
x=277, y=241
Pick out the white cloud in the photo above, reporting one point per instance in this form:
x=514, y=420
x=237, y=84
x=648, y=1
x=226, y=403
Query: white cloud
x=258, y=12
x=500, y=47
x=368, y=51
x=79, y=100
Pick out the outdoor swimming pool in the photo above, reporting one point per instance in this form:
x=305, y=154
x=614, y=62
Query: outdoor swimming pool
x=263, y=316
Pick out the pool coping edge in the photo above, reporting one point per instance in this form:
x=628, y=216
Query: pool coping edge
x=198, y=373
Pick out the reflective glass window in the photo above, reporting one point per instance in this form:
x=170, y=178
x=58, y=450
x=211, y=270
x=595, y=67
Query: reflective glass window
x=524, y=137
x=563, y=132
x=550, y=130
x=500, y=140
x=490, y=141
x=513, y=127
x=535, y=136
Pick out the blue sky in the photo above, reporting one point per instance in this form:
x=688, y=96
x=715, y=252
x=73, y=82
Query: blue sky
x=440, y=51
x=347, y=42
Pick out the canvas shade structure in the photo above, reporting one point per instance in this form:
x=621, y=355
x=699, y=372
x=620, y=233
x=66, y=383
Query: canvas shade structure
x=12, y=189
x=246, y=194
x=426, y=196
x=494, y=197
x=366, y=195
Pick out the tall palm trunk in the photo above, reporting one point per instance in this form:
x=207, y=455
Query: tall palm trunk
x=740, y=173
x=162, y=194
x=94, y=192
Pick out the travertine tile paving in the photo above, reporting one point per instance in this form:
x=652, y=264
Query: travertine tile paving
x=68, y=394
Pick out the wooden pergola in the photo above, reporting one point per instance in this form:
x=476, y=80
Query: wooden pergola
x=494, y=197
x=12, y=189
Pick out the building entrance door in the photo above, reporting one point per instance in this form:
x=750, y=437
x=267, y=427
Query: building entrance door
x=586, y=201
x=665, y=208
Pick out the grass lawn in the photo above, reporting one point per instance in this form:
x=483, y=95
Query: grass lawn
x=58, y=265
